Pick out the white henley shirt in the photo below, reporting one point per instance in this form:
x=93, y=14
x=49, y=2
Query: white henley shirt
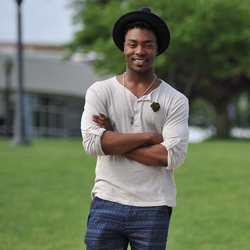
x=123, y=180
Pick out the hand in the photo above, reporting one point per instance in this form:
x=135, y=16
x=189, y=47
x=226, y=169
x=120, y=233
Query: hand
x=102, y=121
x=156, y=138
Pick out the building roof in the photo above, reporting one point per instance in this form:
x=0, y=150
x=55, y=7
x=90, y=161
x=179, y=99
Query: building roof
x=45, y=72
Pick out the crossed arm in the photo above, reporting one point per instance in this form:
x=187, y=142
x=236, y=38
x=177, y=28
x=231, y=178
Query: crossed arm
x=141, y=147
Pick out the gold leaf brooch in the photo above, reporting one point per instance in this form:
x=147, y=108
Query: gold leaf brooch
x=155, y=106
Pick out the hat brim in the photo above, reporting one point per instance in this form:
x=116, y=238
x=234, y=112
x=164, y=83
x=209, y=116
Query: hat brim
x=163, y=34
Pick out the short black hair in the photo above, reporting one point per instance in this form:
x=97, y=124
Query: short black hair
x=139, y=25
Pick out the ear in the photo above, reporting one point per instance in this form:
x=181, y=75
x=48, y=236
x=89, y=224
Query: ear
x=124, y=47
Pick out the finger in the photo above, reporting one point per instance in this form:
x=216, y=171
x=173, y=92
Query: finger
x=94, y=119
x=100, y=120
x=97, y=118
x=103, y=116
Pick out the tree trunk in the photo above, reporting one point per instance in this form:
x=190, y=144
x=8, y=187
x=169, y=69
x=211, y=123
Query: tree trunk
x=221, y=120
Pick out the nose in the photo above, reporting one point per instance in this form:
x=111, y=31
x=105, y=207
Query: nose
x=140, y=50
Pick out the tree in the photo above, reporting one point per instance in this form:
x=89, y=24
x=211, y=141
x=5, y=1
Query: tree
x=209, y=49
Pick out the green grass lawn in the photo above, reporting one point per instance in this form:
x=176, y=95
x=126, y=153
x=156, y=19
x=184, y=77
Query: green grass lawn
x=45, y=196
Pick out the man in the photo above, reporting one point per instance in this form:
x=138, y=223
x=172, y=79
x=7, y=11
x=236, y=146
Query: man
x=137, y=124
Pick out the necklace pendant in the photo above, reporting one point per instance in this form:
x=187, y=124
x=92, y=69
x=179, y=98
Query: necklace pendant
x=132, y=120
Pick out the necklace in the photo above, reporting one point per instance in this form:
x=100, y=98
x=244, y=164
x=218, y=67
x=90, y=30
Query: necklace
x=132, y=110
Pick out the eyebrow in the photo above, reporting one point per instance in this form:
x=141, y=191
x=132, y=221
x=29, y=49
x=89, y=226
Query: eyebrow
x=147, y=41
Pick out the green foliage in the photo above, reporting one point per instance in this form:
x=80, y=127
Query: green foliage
x=210, y=37
x=45, y=196
x=98, y=18
x=201, y=113
x=208, y=54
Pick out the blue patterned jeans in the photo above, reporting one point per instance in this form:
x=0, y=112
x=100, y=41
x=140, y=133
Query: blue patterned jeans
x=111, y=226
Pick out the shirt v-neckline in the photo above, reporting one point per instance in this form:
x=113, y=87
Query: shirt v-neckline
x=141, y=97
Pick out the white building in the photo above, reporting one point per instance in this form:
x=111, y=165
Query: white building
x=54, y=90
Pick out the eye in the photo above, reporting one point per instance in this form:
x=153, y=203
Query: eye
x=131, y=45
x=149, y=45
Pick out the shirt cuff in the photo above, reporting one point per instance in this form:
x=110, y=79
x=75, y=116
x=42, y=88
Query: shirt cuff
x=170, y=143
x=92, y=140
x=175, y=153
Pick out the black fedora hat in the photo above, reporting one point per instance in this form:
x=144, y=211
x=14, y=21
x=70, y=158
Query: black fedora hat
x=144, y=14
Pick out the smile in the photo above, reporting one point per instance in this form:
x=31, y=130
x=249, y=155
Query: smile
x=139, y=61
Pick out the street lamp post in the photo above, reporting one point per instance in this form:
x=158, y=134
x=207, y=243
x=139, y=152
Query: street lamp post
x=7, y=69
x=20, y=133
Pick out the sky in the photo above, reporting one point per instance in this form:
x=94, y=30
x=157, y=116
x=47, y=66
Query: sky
x=43, y=21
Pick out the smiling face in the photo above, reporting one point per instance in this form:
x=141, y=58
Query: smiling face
x=140, y=49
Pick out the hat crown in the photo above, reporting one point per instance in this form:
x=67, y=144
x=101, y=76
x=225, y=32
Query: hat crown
x=145, y=9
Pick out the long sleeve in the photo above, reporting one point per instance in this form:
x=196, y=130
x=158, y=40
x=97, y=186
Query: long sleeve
x=176, y=133
x=91, y=134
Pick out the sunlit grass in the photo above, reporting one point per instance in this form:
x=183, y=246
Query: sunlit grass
x=45, y=196
x=213, y=198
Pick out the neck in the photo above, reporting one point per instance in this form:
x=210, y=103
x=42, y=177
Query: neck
x=136, y=78
x=139, y=89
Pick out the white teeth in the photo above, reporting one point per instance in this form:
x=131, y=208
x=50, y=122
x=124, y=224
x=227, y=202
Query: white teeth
x=140, y=60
